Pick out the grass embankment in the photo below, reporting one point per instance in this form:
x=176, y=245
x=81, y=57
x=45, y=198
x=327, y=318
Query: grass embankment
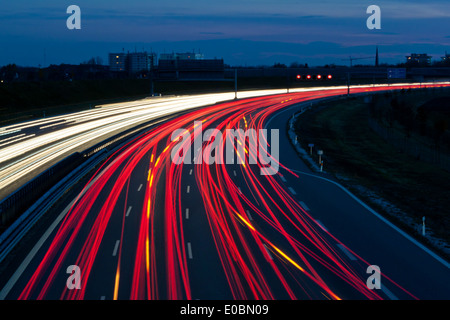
x=359, y=157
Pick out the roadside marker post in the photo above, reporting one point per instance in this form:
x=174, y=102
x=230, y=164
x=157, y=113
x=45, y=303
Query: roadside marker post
x=311, y=145
x=423, y=226
x=320, y=153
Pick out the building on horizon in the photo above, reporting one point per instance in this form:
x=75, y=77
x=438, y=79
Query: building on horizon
x=189, y=66
x=132, y=63
x=117, y=62
x=141, y=62
x=181, y=56
x=418, y=59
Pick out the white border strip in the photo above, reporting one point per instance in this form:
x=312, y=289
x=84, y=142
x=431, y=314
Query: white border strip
x=407, y=236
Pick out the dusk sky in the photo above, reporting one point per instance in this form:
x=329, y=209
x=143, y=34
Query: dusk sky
x=242, y=32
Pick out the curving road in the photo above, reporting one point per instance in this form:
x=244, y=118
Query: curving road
x=262, y=227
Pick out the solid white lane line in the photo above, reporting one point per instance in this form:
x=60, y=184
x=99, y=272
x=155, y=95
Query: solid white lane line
x=128, y=211
x=304, y=206
x=347, y=253
x=292, y=191
x=249, y=215
x=140, y=187
x=12, y=281
x=188, y=189
x=321, y=225
x=116, y=247
x=187, y=213
x=404, y=234
x=189, y=247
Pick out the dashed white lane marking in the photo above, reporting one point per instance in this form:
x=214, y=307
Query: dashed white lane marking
x=321, y=225
x=347, y=253
x=128, y=211
x=304, y=206
x=189, y=248
x=140, y=187
x=292, y=191
x=240, y=191
x=234, y=172
x=283, y=178
x=188, y=189
x=102, y=298
x=190, y=172
x=268, y=252
x=249, y=215
x=116, y=247
x=187, y=213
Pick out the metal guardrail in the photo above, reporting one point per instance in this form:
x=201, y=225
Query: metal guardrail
x=33, y=199
x=18, y=201
x=25, y=222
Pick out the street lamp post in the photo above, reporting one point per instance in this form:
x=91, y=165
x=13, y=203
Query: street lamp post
x=348, y=83
x=235, y=84
x=152, y=85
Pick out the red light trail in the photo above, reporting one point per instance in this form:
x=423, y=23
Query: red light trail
x=296, y=249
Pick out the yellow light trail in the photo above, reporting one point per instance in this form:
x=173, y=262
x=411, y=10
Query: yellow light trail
x=116, y=284
x=245, y=221
x=285, y=256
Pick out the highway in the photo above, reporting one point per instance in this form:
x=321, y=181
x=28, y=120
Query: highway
x=263, y=227
x=31, y=147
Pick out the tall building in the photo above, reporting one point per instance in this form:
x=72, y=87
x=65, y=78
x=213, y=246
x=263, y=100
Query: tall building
x=117, y=62
x=132, y=63
x=141, y=61
x=418, y=59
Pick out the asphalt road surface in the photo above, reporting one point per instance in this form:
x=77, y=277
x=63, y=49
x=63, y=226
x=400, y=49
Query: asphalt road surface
x=169, y=216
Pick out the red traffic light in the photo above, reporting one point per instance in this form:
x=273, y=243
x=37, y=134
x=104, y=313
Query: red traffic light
x=299, y=76
x=330, y=76
x=319, y=77
x=308, y=76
